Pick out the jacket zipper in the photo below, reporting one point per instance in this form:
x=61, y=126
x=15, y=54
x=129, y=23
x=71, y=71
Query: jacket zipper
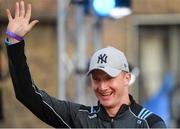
x=112, y=123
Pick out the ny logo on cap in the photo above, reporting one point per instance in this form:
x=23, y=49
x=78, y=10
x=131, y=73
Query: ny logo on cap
x=102, y=58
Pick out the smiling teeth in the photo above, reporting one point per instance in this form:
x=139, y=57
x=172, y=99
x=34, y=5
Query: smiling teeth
x=107, y=94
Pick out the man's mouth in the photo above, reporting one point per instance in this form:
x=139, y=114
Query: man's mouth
x=106, y=94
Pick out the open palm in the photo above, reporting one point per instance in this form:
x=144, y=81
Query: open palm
x=20, y=24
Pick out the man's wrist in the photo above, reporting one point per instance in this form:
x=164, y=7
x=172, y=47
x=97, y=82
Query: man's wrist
x=14, y=37
x=12, y=40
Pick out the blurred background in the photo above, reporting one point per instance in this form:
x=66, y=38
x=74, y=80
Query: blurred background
x=69, y=31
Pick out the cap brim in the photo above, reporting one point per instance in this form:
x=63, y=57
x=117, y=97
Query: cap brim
x=110, y=71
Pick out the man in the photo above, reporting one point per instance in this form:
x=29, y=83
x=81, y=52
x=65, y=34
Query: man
x=109, y=76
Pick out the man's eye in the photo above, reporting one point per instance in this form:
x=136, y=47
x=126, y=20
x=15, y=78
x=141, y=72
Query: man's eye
x=96, y=79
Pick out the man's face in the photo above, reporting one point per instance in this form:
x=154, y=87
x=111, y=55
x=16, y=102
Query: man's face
x=110, y=91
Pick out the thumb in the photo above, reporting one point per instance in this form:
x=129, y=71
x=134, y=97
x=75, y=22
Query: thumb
x=33, y=23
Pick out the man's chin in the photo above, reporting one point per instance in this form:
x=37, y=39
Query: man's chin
x=106, y=104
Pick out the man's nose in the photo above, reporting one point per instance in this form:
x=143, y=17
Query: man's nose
x=103, y=85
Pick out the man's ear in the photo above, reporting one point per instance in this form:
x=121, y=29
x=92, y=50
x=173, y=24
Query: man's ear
x=127, y=78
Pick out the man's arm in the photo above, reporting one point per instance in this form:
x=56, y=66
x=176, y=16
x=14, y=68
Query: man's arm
x=52, y=111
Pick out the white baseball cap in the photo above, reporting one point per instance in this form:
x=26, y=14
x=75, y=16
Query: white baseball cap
x=110, y=60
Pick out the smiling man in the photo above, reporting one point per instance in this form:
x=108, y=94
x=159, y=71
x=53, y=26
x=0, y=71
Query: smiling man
x=110, y=78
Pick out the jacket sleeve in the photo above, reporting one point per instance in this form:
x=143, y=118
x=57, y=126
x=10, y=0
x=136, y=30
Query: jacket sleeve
x=54, y=112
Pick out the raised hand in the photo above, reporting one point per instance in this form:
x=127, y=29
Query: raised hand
x=20, y=24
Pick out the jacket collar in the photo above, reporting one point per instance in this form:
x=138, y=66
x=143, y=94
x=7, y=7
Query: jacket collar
x=102, y=114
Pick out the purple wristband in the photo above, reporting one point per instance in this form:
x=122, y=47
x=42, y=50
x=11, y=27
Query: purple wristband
x=13, y=35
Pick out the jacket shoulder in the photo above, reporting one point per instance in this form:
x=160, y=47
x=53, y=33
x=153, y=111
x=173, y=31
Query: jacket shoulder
x=153, y=120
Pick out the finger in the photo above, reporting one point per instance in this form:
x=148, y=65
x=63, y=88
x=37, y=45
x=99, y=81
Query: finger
x=28, y=13
x=17, y=10
x=33, y=23
x=22, y=9
x=9, y=15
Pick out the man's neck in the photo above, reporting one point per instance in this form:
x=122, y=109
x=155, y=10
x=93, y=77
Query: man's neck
x=112, y=111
